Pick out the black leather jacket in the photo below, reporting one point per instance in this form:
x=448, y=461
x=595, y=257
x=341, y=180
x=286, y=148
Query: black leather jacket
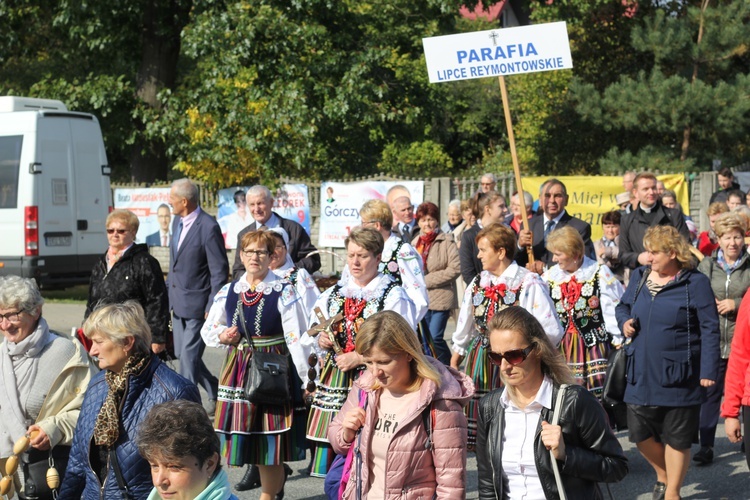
x=593, y=453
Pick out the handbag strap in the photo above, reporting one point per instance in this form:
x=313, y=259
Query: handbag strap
x=357, y=453
x=240, y=313
x=118, y=474
x=557, y=410
x=644, y=276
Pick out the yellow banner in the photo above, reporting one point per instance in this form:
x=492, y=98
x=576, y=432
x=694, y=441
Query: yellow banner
x=589, y=197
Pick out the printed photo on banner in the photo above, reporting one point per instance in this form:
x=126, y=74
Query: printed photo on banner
x=590, y=197
x=341, y=201
x=151, y=206
x=290, y=202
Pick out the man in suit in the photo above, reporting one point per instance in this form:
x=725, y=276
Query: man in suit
x=162, y=237
x=198, y=268
x=407, y=226
x=492, y=208
x=259, y=203
x=554, y=216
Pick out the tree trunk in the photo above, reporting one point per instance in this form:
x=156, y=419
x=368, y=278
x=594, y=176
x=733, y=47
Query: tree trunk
x=688, y=128
x=163, y=21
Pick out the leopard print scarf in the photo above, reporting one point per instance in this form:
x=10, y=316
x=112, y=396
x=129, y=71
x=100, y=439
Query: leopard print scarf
x=107, y=427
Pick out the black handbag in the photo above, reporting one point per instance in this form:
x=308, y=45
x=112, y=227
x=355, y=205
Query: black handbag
x=267, y=374
x=35, y=464
x=615, y=380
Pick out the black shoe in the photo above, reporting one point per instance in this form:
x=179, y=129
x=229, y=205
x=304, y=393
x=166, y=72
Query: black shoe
x=250, y=480
x=287, y=473
x=659, y=489
x=704, y=456
x=306, y=471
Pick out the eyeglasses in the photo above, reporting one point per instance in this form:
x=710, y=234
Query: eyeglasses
x=257, y=253
x=13, y=317
x=312, y=360
x=513, y=357
x=118, y=231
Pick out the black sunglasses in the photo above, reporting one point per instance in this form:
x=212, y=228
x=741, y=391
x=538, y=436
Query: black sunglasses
x=118, y=231
x=513, y=357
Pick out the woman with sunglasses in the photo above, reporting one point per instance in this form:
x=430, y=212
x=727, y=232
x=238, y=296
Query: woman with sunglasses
x=366, y=292
x=405, y=415
x=264, y=313
x=127, y=271
x=515, y=435
x=501, y=284
x=585, y=294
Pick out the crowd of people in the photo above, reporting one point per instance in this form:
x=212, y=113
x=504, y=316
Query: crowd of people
x=360, y=377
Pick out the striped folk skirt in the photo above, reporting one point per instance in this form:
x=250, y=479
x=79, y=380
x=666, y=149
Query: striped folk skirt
x=332, y=391
x=486, y=377
x=256, y=433
x=588, y=364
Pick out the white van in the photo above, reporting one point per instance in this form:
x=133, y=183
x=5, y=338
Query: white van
x=54, y=192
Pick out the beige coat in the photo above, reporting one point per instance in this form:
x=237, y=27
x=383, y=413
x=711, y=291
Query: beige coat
x=443, y=267
x=62, y=405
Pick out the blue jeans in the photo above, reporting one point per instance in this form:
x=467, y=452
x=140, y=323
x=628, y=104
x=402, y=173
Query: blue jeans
x=433, y=324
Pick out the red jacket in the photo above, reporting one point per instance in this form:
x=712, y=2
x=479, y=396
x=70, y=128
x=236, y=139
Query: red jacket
x=705, y=245
x=737, y=381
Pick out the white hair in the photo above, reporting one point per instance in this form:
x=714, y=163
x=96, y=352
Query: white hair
x=259, y=190
x=185, y=188
x=22, y=293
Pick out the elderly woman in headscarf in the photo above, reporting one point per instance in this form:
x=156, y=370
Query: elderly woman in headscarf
x=43, y=375
x=104, y=461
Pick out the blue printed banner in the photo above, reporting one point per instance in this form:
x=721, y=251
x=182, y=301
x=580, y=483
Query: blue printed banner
x=500, y=52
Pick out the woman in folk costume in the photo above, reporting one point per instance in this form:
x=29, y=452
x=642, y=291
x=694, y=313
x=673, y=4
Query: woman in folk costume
x=501, y=284
x=263, y=313
x=585, y=294
x=365, y=292
x=283, y=267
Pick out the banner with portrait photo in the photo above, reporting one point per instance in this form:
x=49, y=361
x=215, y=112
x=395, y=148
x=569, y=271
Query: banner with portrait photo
x=145, y=203
x=340, y=203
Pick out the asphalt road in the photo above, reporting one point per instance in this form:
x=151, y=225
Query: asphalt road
x=726, y=478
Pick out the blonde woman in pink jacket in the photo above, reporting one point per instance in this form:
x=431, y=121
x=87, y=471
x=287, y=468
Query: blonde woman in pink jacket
x=406, y=415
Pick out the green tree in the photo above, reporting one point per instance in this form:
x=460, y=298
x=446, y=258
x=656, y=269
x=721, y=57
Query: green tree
x=691, y=101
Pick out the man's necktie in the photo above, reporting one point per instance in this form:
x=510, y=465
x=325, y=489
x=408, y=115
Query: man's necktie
x=164, y=240
x=176, y=237
x=548, y=227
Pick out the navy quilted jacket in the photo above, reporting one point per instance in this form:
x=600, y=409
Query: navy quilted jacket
x=156, y=384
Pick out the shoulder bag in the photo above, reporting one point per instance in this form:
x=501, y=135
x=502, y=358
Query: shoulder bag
x=615, y=379
x=267, y=377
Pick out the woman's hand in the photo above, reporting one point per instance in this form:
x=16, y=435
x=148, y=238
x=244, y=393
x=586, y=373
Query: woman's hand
x=536, y=267
x=456, y=360
x=553, y=439
x=348, y=360
x=324, y=341
x=628, y=329
x=707, y=383
x=230, y=336
x=40, y=441
x=351, y=423
x=725, y=306
x=733, y=429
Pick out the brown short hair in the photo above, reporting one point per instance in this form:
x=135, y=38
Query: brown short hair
x=428, y=209
x=262, y=238
x=367, y=238
x=499, y=236
x=730, y=221
x=643, y=175
x=716, y=208
x=612, y=217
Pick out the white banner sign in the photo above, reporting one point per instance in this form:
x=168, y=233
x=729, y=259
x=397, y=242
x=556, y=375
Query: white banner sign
x=500, y=52
x=340, y=203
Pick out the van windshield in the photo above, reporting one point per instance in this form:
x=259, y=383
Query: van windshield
x=10, y=160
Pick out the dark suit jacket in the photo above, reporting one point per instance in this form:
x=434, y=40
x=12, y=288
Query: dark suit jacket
x=154, y=239
x=470, y=263
x=198, y=270
x=541, y=252
x=633, y=228
x=414, y=232
x=299, y=249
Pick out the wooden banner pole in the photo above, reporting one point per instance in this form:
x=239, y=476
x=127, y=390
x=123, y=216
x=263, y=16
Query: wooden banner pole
x=516, y=168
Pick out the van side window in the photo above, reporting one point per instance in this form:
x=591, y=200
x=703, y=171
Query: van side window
x=10, y=161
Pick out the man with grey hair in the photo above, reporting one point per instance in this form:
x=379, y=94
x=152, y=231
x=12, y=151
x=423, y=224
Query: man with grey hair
x=198, y=268
x=259, y=203
x=488, y=182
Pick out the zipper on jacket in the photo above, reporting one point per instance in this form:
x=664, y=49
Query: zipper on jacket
x=104, y=484
x=726, y=316
x=492, y=464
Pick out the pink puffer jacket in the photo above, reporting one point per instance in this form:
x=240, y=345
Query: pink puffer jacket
x=413, y=471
